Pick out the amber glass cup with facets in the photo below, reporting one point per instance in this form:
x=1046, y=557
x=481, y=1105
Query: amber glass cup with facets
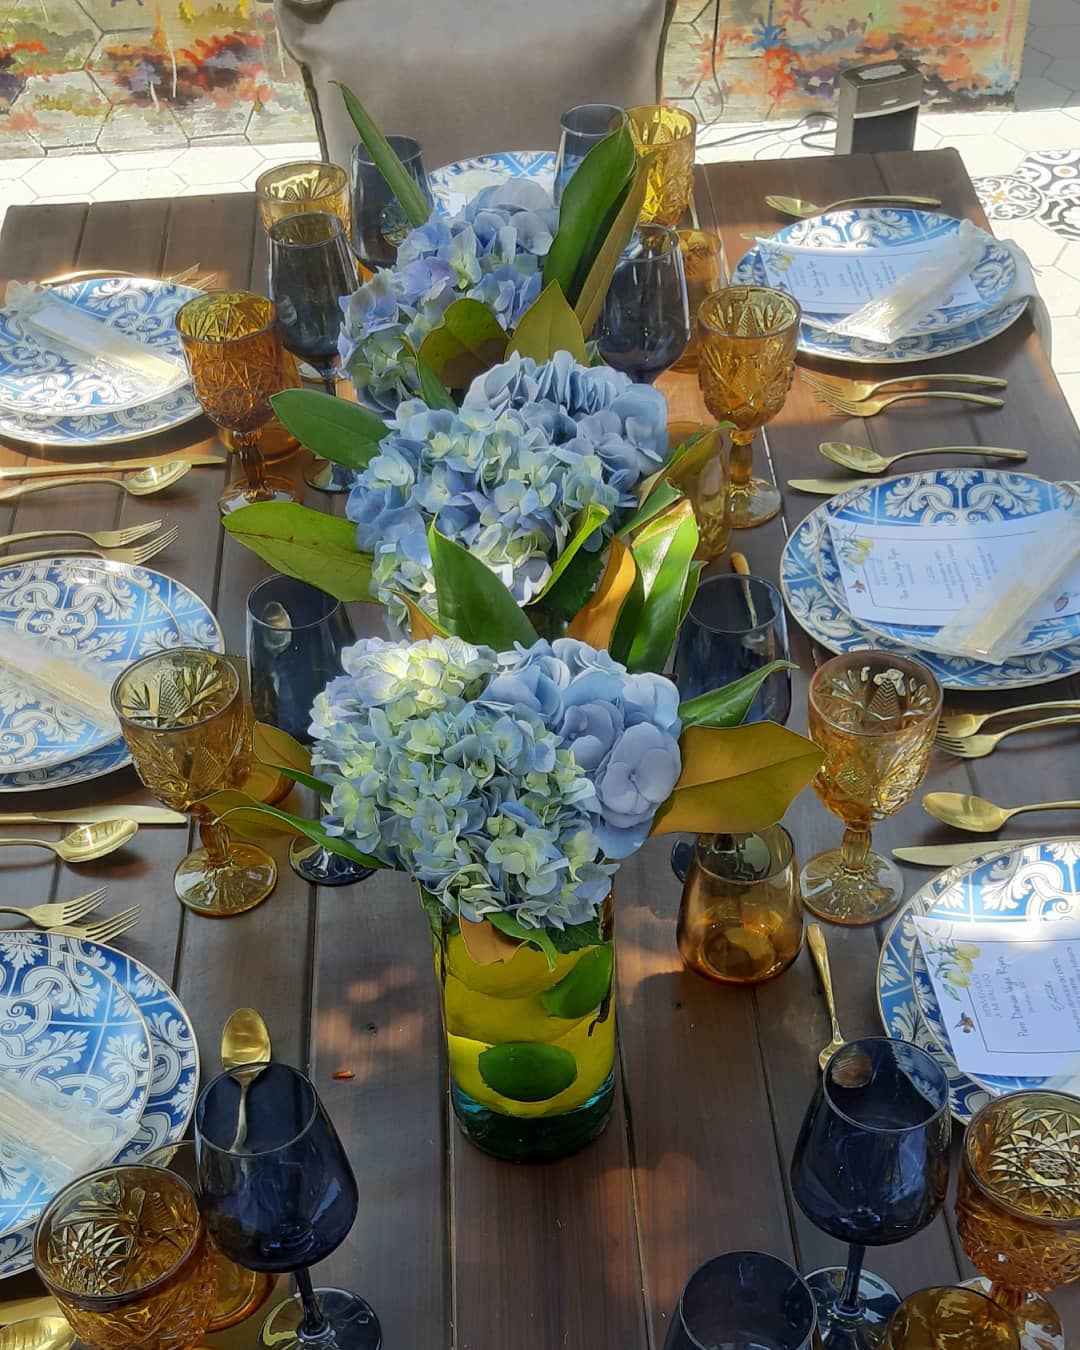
x=124, y=1252
x=748, y=337
x=669, y=136
x=232, y=344
x=304, y=185
x=1018, y=1205
x=183, y=716
x=873, y=715
x=948, y=1318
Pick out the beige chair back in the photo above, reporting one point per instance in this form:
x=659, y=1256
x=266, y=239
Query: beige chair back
x=467, y=77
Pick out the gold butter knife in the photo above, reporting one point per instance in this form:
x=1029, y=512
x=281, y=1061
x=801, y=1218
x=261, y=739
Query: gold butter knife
x=107, y=466
x=948, y=855
x=829, y=487
x=96, y=815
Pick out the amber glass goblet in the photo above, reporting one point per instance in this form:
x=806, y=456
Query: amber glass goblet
x=1018, y=1205
x=232, y=342
x=740, y=920
x=124, y=1253
x=669, y=135
x=703, y=263
x=305, y=185
x=874, y=715
x=947, y=1318
x=183, y=716
x=746, y=362
x=239, y=1293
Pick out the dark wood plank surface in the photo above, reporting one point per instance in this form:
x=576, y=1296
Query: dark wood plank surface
x=451, y=1247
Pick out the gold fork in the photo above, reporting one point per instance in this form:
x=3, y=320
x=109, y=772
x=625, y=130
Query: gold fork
x=960, y=725
x=133, y=557
x=102, y=930
x=103, y=538
x=67, y=911
x=978, y=747
x=870, y=407
x=858, y=390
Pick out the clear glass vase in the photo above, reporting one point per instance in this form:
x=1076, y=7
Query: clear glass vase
x=531, y=1046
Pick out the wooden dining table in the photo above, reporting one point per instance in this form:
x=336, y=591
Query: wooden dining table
x=451, y=1247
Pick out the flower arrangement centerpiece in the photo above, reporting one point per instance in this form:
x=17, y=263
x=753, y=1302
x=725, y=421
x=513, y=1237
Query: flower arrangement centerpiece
x=515, y=742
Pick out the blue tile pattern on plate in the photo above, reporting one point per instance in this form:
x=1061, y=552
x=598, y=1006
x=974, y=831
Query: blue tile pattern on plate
x=198, y=628
x=38, y=378
x=454, y=185
x=946, y=496
x=826, y=622
x=66, y=1024
x=175, y=1078
x=82, y=609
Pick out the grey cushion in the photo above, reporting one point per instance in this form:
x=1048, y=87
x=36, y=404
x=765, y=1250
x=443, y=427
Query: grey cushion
x=466, y=77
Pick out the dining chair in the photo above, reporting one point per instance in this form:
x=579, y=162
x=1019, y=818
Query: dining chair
x=468, y=77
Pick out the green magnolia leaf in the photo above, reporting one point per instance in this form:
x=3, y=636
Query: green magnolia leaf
x=405, y=189
x=595, y=622
x=332, y=428
x=285, y=755
x=527, y=1071
x=589, y=207
x=468, y=341
x=305, y=544
x=736, y=781
x=565, y=600
x=658, y=622
x=538, y=937
x=728, y=706
x=432, y=390
x=244, y=813
x=591, y=520
x=658, y=500
x=585, y=988
x=693, y=576
x=473, y=602
x=548, y=326
x=421, y=624
x=626, y=625
x=594, y=286
x=576, y=935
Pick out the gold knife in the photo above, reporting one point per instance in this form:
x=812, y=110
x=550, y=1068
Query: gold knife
x=829, y=487
x=107, y=466
x=948, y=855
x=96, y=815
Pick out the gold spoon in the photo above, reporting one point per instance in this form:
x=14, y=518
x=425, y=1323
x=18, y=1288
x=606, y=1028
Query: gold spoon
x=800, y=207
x=85, y=843
x=143, y=484
x=815, y=940
x=977, y=814
x=861, y=459
x=245, y=1052
x=38, y=1333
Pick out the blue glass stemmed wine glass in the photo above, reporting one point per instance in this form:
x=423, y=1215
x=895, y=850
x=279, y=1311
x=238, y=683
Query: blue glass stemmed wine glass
x=295, y=636
x=644, y=325
x=279, y=1196
x=871, y=1167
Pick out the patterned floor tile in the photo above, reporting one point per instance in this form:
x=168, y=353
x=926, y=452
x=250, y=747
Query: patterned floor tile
x=1006, y=197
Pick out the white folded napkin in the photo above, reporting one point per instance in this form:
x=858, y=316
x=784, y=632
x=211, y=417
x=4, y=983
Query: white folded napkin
x=55, y=1135
x=73, y=679
x=87, y=342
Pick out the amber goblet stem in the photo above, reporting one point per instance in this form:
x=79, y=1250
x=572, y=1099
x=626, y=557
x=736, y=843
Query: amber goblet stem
x=1008, y=1296
x=854, y=849
x=215, y=838
x=251, y=461
x=742, y=460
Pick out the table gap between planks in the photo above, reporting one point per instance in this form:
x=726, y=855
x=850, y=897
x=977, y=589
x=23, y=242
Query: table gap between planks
x=451, y=1247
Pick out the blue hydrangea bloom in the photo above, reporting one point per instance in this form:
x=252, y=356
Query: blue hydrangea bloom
x=510, y=782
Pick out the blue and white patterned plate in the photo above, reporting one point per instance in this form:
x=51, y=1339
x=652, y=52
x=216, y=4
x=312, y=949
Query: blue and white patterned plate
x=1024, y=883
x=38, y=379
x=815, y=610
x=455, y=185
x=146, y=309
x=83, y=610
x=1009, y=883
x=945, y=496
x=197, y=628
x=867, y=228
x=175, y=1056
x=881, y=227
x=67, y=1027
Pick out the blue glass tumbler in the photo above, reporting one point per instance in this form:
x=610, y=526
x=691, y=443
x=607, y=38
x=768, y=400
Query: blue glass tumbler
x=743, y=1299
x=580, y=128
